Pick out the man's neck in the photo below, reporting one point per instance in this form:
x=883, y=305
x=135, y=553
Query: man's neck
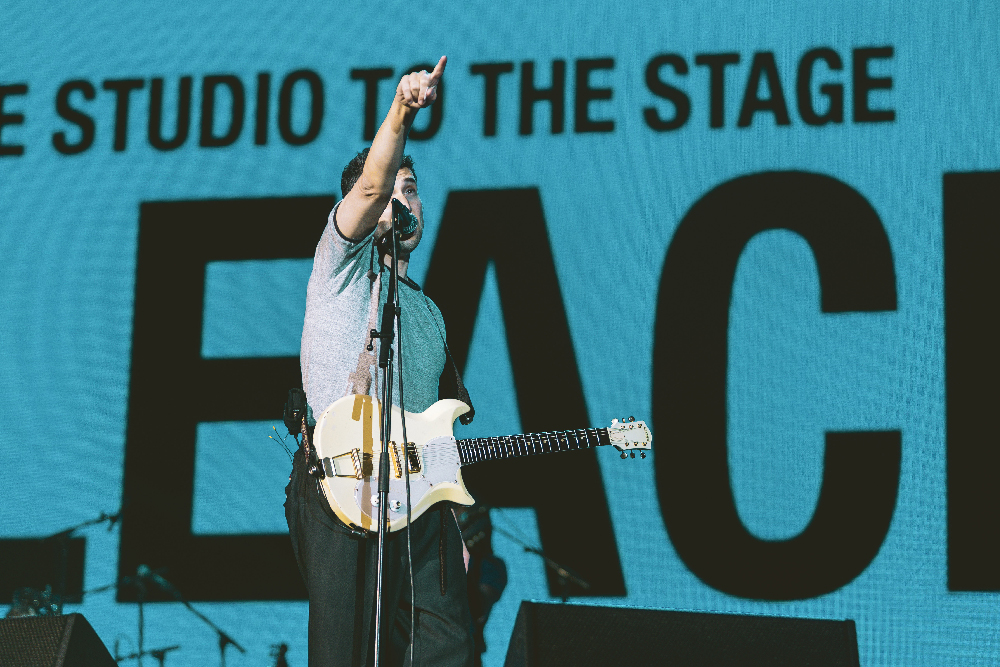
x=404, y=263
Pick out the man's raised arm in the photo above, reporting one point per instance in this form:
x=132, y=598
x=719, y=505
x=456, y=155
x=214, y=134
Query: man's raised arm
x=359, y=212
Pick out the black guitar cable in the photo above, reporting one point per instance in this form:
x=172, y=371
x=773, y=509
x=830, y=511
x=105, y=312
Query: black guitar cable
x=406, y=475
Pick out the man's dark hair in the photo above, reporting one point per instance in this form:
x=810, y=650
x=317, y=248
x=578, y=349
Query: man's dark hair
x=352, y=172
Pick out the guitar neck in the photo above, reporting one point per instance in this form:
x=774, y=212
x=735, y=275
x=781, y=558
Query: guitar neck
x=476, y=450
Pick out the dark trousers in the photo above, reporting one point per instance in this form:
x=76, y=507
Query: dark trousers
x=340, y=574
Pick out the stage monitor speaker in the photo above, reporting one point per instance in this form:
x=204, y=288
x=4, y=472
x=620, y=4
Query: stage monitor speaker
x=554, y=635
x=51, y=641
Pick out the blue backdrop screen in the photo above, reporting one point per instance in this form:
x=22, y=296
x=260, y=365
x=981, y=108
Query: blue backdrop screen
x=852, y=136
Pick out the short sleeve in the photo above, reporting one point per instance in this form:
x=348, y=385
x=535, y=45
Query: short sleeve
x=338, y=259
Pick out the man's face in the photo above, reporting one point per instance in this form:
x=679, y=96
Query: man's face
x=405, y=191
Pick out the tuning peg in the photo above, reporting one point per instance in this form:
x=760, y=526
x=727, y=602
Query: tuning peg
x=631, y=419
x=624, y=455
x=632, y=454
x=642, y=455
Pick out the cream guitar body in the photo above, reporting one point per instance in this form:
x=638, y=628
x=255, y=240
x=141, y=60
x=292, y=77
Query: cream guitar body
x=348, y=443
x=347, y=439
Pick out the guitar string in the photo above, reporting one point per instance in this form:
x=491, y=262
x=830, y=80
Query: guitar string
x=475, y=450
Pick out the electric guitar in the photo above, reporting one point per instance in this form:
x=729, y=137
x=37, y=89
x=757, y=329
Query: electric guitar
x=347, y=440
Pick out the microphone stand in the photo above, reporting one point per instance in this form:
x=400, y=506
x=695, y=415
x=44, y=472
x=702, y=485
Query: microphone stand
x=139, y=581
x=390, y=311
x=143, y=573
x=160, y=654
x=565, y=575
x=62, y=538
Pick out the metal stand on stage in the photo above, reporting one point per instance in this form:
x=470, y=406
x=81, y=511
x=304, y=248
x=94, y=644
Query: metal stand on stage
x=390, y=317
x=143, y=577
x=62, y=539
x=564, y=575
x=143, y=574
x=159, y=654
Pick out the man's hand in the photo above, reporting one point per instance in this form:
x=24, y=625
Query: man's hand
x=419, y=89
x=359, y=213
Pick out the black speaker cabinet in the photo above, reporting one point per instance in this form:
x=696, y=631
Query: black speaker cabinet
x=51, y=641
x=553, y=635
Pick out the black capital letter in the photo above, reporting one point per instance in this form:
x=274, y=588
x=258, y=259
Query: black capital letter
x=156, y=139
x=763, y=65
x=371, y=77
x=972, y=360
x=690, y=357
x=39, y=562
x=11, y=118
x=315, y=107
x=75, y=116
x=122, y=89
x=863, y=84
x=491, y=77
x=833, y=91
x=208, y=87
x=585, y=95
x=680, y=100
x=263, y=109
x=467, y=242
x=716, y=63
x=176, y=242
x=555, y=95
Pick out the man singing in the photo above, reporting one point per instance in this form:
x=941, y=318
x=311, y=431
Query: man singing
x=344, y=299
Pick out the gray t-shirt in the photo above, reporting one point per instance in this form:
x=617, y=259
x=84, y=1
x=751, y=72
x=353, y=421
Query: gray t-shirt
x=341, y=310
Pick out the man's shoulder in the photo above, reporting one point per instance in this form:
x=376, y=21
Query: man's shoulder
x=337, y=254
x=335, y=226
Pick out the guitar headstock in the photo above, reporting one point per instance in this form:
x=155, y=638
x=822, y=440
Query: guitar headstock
x=628, y=434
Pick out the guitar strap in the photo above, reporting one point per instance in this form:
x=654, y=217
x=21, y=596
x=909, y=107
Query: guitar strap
x=463, y=393
x=376, y=286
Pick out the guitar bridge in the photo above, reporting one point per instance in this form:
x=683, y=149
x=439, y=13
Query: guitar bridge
x=349, y=464
x=397, y=465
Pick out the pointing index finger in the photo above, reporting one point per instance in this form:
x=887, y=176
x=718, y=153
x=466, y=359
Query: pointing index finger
x=435, y=76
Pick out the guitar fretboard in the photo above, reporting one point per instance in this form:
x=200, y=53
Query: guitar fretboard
x=475, y=450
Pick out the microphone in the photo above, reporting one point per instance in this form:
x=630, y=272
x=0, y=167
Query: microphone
x=406, y=222
x=144, y=572
x=112, y=519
